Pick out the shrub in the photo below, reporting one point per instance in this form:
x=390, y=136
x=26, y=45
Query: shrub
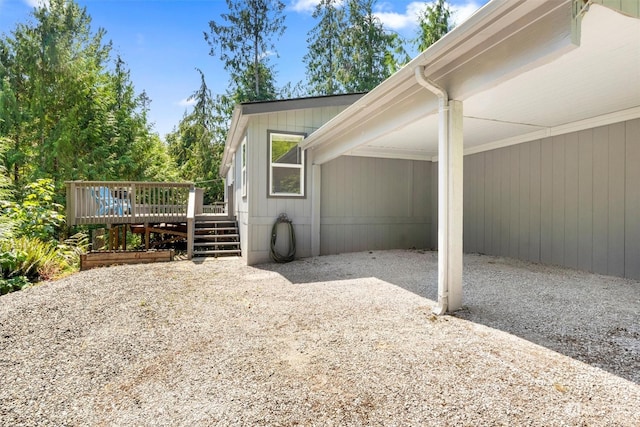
x=37, y=215
x=31, y=258
x=13, y=284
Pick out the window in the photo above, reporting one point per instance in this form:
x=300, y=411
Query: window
x=243, y=168
x=286, y=165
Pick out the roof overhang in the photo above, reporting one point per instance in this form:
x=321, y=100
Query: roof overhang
x=522, y=69
x=243, y=112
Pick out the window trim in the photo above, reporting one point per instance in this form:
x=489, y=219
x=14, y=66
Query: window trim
x=302, y=167
x=243, y=166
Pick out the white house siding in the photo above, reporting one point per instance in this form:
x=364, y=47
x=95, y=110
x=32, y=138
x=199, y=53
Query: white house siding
x=262, y=211
x=570, y=200
x=373, y=204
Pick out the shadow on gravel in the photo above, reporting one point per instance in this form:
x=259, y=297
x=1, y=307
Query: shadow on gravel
x=592, y=318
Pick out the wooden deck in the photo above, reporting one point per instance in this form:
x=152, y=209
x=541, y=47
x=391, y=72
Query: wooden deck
x=140, y=203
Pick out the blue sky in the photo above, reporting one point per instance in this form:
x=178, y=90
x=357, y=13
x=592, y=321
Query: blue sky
x=162, y=42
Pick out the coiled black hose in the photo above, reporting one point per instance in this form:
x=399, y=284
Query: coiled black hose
x=277, y=257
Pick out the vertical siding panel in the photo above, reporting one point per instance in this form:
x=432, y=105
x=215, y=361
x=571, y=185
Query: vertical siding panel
x=546, y=201
x=616, y=198
x=339, y=188
x=557, y=238
x=632, y=199
x=326, y=189
x=356, y=184
x=534, y=202
x=493, y=200
x=434, y=205
x=505, y=201
x=524, y=196
x=480, y=204
x=585, y=200
x=514, y=200
x=600, y=199
x=490, y=202
x=571, y=202
x=371, y=188
x=468, y=232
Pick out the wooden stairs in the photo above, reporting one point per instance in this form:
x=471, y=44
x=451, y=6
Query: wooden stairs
x=215, y=237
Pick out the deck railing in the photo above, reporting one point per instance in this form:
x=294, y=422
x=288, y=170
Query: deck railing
x=126, y=202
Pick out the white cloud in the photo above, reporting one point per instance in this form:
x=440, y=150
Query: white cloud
x=409, y=18
x=187, y=102
x=36, y=3
x=308, y=6
x=464, y=11
x=304, y=6
x=398, y=21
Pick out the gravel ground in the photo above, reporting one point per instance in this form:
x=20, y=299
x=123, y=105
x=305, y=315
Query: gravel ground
x=336, y=340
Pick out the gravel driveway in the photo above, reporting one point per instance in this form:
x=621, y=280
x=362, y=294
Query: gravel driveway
x=336, y=340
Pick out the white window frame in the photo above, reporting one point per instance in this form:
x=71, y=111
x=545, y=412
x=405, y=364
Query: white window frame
x=243, y=166
x=300, y=167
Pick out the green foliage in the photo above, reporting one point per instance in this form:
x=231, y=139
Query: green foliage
x=349, y=49
x=70, y=110
x=13, y=284
x=197, y=144
x=323, y=58
x=7, y=225
x=434, y=23
x=243, y=40
x=37, y=215
x=31, y=258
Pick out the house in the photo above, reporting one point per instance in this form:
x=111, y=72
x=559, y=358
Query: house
x=529, y=108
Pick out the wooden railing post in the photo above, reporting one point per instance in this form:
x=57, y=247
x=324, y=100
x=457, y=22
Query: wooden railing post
x=132, y=202
x=191, y=218
x=199, y=200
x=71, y=202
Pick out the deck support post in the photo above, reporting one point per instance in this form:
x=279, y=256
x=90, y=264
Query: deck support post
x=316, y=178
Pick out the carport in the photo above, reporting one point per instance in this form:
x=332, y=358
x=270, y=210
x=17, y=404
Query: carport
x=515, y=72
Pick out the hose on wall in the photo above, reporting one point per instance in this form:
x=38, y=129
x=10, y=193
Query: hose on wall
x=277, y=257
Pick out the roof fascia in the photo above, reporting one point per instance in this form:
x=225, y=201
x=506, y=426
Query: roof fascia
x=236, y=133
x=492, y=23
x=242, y=113
x=299, y=103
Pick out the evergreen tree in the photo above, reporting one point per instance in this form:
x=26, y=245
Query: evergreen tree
x=369, y=53
x=323, y=58
x=69, y=110
x=196, y=145
x=434, y=23
x=244, y=42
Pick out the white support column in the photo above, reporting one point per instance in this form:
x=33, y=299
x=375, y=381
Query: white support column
x=450, y=188
x=316, y=179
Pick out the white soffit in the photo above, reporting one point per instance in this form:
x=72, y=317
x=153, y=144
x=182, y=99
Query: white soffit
x=599, y=78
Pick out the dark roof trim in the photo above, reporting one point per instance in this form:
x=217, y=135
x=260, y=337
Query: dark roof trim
x=263, y=107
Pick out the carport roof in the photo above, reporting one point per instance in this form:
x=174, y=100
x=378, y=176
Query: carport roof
x=524, y=70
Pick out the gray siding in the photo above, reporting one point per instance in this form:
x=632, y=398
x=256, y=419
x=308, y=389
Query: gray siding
x=571, y=200
x=375, y=204
x=259, y=212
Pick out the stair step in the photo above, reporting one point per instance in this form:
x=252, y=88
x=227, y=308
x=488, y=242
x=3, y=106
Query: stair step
x=216, y=236
x=202, y=244
x=217, y=252
x=214, y=222
x=209, y=229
